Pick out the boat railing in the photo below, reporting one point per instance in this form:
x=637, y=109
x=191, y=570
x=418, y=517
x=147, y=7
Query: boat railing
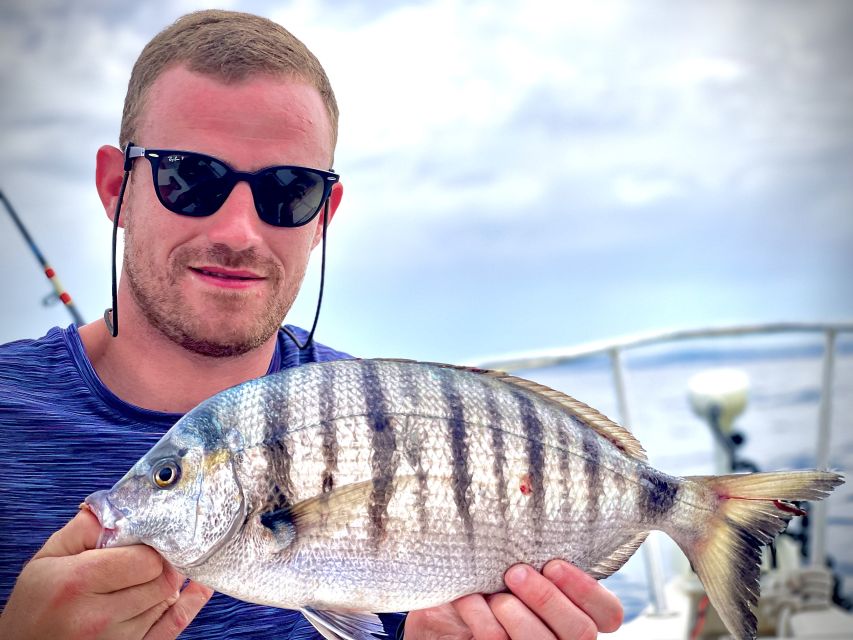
x=614, y=350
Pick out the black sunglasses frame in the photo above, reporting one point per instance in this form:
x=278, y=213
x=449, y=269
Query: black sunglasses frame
x=230, y=179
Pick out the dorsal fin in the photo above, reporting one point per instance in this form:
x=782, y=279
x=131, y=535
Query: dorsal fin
x=597, y=421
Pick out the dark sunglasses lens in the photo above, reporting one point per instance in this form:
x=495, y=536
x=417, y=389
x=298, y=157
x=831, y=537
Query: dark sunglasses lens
x=288, y=197
x=192, y=184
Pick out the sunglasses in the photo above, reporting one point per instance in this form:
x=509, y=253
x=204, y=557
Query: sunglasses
x=193, y=184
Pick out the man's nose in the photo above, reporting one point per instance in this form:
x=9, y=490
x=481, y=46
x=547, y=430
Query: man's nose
x=236, y=224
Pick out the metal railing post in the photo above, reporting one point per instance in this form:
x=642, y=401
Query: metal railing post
x=818, y=549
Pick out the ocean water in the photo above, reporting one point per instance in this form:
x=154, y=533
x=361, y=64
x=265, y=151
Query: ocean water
x=779, y=423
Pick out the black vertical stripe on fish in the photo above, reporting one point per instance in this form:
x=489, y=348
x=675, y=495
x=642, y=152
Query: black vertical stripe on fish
x=458, y=433
x=413, y=445
x=383, y=450
x=498, y=450
x=535, y=458
x=621, y=487
x=657, y=494
x=280, y=492
x=327, y=425
x=280, y=489
x=592, y=472
x=565, y=458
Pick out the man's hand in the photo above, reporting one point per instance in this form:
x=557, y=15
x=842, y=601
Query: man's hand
x=562, y=603
x=72, y=590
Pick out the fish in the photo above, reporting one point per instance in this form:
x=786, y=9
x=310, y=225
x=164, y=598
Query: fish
x=354, y=487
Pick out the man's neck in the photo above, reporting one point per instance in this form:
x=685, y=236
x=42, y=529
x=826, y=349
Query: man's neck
x=144, y=368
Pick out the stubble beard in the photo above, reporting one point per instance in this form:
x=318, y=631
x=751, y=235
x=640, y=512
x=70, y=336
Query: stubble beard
x=159, y=297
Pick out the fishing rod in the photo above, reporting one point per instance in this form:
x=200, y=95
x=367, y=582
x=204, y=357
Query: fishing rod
x=48, y=270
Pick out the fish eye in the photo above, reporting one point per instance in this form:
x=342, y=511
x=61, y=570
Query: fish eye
x=165, y=474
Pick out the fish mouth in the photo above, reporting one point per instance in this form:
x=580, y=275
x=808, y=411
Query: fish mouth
x=112, y=520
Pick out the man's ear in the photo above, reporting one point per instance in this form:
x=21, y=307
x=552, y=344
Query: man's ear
x=334, y=202
x=109, y=171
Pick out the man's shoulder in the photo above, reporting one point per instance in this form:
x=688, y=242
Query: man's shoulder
x=30, y=353
x=36, y=375
x=315, y=352
x=325, y=353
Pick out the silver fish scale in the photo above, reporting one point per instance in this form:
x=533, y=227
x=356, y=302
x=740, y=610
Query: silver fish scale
x=461, y=476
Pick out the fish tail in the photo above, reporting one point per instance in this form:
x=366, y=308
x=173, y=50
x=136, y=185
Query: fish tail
x=748, y=511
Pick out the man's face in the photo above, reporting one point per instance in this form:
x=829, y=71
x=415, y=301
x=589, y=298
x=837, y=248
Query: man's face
x=221, y=285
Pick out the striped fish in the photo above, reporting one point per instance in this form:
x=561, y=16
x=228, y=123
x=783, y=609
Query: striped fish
x=359, y=486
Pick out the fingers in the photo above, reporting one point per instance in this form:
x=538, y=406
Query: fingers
x=584, y=591
x=437, y=622
x=518, y=619
x=173, y=575
x=545, y=603
x=179, y=615
x=567, y=600
x=562, y=604
x=70, y=589
x=80, y=534
x=134, y=601
x=140, y=625
x=476, y=614
x=116, y=568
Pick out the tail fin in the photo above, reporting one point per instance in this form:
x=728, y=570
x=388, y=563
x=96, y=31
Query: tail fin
x=725, y=550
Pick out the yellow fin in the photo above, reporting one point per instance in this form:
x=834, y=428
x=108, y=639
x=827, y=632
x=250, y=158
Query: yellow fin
x=725, y=549
x=597, y=421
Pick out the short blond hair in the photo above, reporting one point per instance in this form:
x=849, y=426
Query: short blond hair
x=229, y=46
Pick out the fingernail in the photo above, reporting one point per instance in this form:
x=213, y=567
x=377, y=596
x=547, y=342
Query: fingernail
x=516, y=575
x=554, y=570
x=172, y=599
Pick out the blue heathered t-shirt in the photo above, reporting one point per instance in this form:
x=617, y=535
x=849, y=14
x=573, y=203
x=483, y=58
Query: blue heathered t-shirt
x=65, y=435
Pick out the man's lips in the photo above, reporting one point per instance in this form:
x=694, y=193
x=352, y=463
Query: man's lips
x=228, y=274
x=228, y=278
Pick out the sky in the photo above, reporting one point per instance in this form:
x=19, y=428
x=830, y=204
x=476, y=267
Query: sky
x=518, y=175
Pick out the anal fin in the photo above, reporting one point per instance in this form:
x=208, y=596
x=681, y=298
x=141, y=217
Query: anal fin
x=613, y=562
x=345, y=625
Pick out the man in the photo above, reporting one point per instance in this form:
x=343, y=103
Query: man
x=208, y=276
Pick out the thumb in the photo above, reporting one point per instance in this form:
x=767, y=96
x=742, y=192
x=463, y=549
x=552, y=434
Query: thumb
x=79, y=535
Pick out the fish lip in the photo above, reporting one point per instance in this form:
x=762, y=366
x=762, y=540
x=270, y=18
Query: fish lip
x=108, y=515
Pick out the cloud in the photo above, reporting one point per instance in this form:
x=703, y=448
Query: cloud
x=633, y=190
x=514, y=163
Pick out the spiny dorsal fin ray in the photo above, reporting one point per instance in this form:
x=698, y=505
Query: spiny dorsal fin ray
x=597, y=421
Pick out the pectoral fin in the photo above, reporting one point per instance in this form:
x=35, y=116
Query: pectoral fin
x=327, y=509
x=281, y=525
x=346, y=625
x=331, y=511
